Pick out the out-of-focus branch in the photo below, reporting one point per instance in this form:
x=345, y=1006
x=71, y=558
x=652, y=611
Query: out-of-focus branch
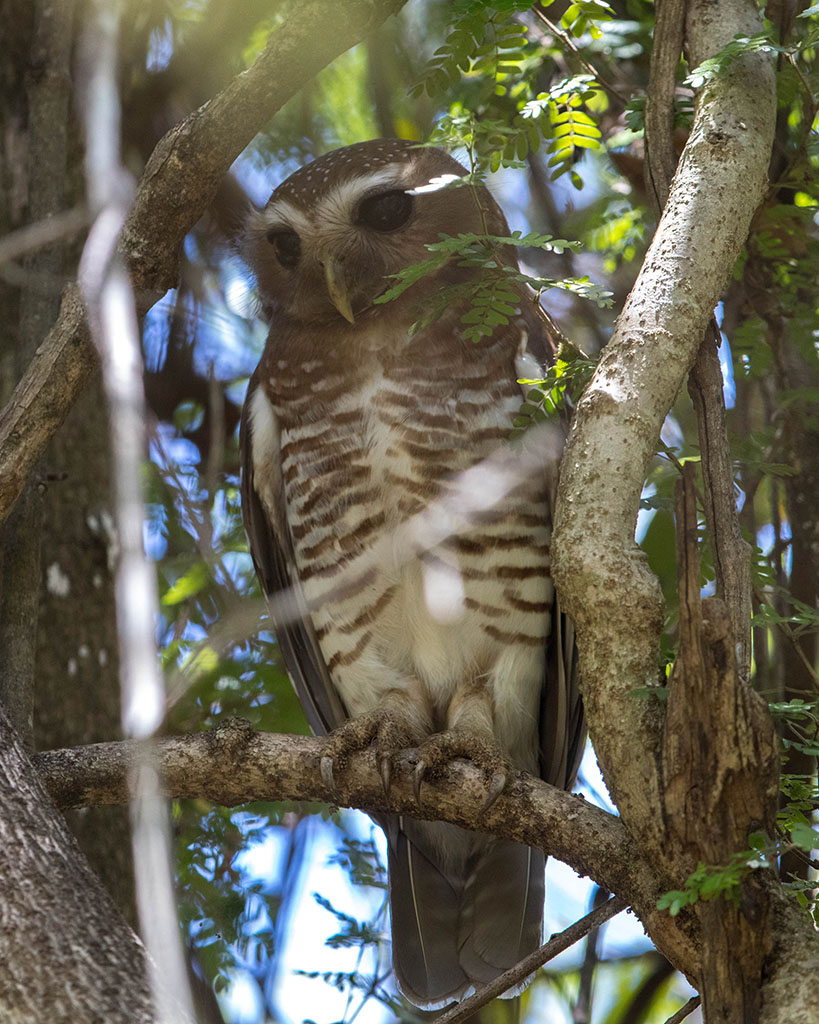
x=59, y=227
x=112, y=317
x=179, y=182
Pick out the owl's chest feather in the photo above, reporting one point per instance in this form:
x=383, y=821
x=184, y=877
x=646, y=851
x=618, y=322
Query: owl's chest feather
x=370, y=471
x=389, y=446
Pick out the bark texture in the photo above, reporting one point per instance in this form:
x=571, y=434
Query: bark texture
x=234, y=765
x=68, y=954
x=720, y=782
x=603, y=579
x=673, y=798
x=77, y=697
x=732, y=554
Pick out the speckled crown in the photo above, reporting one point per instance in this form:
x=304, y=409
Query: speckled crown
x=311, y=181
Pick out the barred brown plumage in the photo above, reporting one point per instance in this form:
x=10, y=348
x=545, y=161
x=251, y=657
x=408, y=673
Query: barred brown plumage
x=358, y=436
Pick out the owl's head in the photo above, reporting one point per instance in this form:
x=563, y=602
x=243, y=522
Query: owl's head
x=331, y=235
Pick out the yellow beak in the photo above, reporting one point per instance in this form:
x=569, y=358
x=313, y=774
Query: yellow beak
x=337, y=291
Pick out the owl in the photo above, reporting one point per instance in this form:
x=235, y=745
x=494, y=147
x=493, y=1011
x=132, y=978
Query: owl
x=419, y=612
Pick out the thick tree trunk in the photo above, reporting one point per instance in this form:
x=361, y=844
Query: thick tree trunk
x=77, y=698
x=68, y=954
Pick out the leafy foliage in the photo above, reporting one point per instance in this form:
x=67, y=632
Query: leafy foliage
x=494, y=297
x=717, y=882
x=536, y=107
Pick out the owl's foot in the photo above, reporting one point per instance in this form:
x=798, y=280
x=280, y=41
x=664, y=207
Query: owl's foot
x=443, y=747
x=382, y=728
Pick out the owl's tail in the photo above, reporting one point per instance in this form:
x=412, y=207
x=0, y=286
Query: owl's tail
x=465, y=908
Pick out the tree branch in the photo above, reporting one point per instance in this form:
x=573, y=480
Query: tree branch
x=732, y=554
x=180, y=180
x=235, y=765
x=661, y=159
x=603, y=579
x=536, y=959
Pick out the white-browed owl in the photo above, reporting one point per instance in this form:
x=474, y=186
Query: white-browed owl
x=355, y=426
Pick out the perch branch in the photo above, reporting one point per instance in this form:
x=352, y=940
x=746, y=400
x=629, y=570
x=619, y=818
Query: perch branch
x=235, y=765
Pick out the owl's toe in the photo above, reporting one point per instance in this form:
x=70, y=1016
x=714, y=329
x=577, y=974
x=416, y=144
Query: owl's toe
x=382, y=729
x=497, y=784
x=443, y=747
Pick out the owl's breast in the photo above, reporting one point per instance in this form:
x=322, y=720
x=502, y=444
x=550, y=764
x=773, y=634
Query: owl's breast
x=410, y=568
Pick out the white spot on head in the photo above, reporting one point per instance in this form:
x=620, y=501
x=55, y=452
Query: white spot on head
x=102, y=657
x=72, y=667
x=96, y=580
x=83, y=650
x=57, y=583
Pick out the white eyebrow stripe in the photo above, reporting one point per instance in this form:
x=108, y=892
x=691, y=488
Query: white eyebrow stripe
x=285, y=214
x=339, y=200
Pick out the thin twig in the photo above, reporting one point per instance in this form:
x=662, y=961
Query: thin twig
x=569, y=43
x=684, y=1011
x=517, y=974
x=581, y=1011
x=788, y=633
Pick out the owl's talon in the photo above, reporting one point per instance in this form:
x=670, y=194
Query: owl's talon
x=326, y=769
x=496, y=786
x=417, y=779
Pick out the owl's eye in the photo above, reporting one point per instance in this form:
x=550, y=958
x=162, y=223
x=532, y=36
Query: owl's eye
x=386, y=211
x=286, y=245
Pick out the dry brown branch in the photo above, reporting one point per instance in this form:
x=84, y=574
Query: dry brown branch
x=732, y=554
x=684, y=1011
x=661, y=159
x=548, y=951
x=721, y=776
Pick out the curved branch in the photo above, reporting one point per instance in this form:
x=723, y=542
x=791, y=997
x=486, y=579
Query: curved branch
x=235, y=765
x=604, y=581
x=179, y=181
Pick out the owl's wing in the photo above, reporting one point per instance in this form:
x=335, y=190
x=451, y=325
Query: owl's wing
x=271, y=547
x=562, y=720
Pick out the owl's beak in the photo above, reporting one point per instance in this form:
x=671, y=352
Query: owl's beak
x=336, y=289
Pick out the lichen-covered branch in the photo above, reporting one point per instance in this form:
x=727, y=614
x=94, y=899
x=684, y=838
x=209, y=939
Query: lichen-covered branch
x=603, y=580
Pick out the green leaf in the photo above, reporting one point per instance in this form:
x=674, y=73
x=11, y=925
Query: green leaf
x=188, y=584
x=805, y=837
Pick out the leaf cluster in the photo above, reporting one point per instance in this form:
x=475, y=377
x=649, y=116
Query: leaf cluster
x=492, y=296
x=562, y=385
x=711, y=882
